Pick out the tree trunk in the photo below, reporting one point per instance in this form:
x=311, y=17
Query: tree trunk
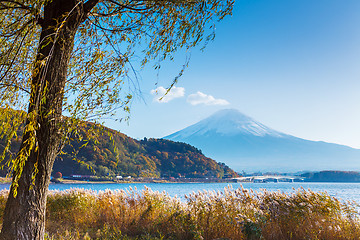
x=24, y=216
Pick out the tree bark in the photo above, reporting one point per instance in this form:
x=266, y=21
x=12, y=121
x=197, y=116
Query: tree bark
x=24, y=216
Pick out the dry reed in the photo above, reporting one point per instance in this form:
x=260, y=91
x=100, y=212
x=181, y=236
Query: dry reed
x=229, y=214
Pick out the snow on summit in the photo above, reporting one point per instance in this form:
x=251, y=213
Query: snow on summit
x=226, y=122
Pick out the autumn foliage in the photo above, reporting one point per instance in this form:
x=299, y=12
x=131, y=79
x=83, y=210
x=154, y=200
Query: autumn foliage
x=58, y=175
x=100, y=151
x=114, y=153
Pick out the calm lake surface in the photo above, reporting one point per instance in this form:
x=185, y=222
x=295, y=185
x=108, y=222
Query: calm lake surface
x=344, y=191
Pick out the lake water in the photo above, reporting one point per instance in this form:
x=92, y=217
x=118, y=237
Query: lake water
x=344, y=191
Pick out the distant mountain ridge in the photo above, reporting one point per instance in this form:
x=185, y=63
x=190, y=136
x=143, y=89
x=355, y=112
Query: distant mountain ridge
x=245, y=144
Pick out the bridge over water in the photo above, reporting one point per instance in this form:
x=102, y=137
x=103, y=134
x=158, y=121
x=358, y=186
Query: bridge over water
x=269, y=178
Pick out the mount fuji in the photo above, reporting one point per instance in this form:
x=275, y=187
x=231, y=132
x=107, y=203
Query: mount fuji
x=244, y=144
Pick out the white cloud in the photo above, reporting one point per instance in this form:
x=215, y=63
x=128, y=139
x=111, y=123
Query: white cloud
x=202, y=98
x=175, y=92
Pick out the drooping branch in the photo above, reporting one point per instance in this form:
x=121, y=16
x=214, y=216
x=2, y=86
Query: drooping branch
x=6, y=4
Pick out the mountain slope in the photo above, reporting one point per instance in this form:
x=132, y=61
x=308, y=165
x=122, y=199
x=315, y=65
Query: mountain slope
x=245, y=144
x=144, y=158
x=123, y=155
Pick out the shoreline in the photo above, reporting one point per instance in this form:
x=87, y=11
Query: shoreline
x=67, y=181
x=4, y=180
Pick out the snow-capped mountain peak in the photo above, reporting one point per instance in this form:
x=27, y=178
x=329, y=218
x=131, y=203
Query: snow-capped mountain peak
x=244, y=144
x=227, y=122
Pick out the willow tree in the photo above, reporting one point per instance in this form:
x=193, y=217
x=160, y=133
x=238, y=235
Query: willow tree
x=76, y=58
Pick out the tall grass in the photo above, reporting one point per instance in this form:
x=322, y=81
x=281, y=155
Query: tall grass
x=229, y=214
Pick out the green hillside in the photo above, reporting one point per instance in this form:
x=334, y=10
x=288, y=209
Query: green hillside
x=112, y=153
x=125, y=156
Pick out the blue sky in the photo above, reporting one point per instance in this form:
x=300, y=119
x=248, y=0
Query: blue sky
x=293, y=65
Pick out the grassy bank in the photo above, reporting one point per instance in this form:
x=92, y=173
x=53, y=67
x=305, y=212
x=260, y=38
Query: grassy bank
x=230, y=214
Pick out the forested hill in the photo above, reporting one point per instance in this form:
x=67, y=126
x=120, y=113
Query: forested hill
x=112, y=153
x=126, y=156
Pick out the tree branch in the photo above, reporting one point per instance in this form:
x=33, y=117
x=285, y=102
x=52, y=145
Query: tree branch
x=15, y=86
x=90, y=4
x=129, y=7
x=20, y=5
